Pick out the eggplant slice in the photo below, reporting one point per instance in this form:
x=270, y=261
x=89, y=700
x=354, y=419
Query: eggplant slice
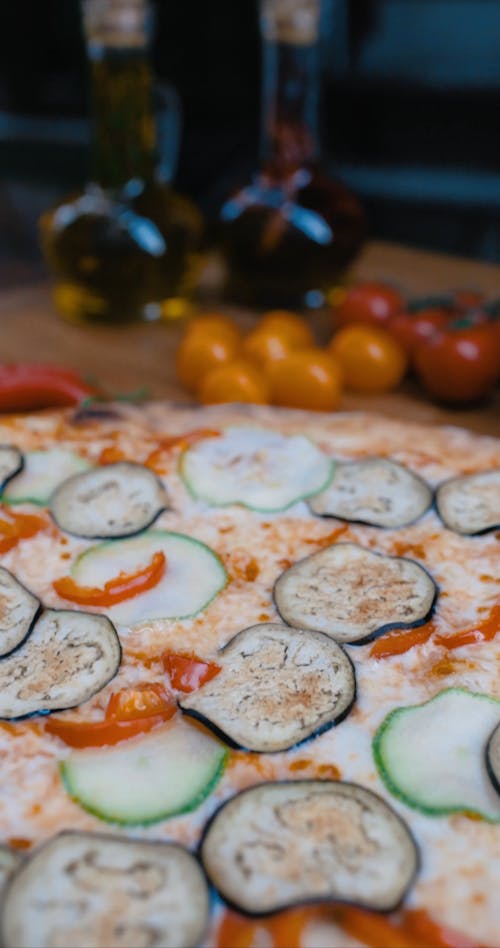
x=18, y=611
x=292, y=842
x=11, y=462
x=470, y=504
x=277, y=687
x=493, y=758
x=106, y=892
x=116, y=500
x=353, y=594
x=68, y=657
x=375, y=491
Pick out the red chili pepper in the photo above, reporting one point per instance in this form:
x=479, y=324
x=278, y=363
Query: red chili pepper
x=29, y=385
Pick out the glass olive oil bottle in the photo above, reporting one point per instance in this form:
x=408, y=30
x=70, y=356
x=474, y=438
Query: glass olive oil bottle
x=126, y=247
x=288, y=235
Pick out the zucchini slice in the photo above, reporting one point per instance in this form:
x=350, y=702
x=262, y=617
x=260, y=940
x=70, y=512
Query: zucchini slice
x=493, y=758
x=432, y=755
x=116, y=500
x=11, y=463
x=470, y=504
x=18, y=611
x=259, y=469
x=277, y=687
x=68, y=657
x=43, y=471
x=194, y=575
x=375, y=491
x=292, y=842
x=86, y=889
x=146, y=779
x=354, y=594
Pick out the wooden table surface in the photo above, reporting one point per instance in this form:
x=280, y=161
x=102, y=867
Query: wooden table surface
x=124, y=359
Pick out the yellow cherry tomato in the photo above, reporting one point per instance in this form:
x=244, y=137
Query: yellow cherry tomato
x=198, y=353
x=214, y=324
x=371, y=360
x=267, y=344
x=238, y=381
x=307, y=378
x=291, y=326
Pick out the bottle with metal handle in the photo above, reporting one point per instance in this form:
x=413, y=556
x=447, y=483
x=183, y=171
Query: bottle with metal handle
x=125, y=248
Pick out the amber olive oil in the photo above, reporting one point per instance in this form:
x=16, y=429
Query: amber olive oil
x=289, y=234
x=126, y=247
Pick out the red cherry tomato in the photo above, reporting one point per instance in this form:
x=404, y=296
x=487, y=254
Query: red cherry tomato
x=468, y=299
x=372, y=303
x=410, y=328
x=495, y=326
x=460, y=365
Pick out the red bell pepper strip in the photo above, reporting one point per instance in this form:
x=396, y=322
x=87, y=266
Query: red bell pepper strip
x=122, y=587
x=187, y=672
x=16, y=526
x=130, y=712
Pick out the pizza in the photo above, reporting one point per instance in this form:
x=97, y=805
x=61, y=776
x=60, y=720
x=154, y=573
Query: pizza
x=249, y=687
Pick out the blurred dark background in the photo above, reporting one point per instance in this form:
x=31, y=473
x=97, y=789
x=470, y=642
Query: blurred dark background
x=410, y=118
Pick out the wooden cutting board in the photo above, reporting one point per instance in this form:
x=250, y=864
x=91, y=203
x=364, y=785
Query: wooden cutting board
x=127, y=358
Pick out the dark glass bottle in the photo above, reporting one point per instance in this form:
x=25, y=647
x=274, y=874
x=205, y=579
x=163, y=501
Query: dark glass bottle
x=125, y=248
x=288, y=235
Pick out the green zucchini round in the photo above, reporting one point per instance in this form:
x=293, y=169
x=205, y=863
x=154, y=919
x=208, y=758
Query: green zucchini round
x=194, y=575
x=146, y=779
x=432, y=755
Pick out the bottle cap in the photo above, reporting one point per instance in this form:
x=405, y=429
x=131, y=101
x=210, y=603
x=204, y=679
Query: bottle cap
x=291, y=21
x=117, y=23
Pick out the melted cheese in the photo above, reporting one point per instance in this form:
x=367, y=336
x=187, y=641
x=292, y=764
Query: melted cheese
x=458, y=882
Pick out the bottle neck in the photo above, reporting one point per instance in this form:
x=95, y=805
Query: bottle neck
x=290, y=86
x=124, y=133
x=124, y=140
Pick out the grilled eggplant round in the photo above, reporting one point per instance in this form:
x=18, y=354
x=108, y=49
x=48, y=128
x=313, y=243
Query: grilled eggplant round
x=353, y=594
x=293, y=842
x=92, y=890
x=117, y=500
x=277, y=687
x=18, y=611
x=493, y=758
x=11, y=463
x=68, y=657
x=375, y=491
x=470, y=504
